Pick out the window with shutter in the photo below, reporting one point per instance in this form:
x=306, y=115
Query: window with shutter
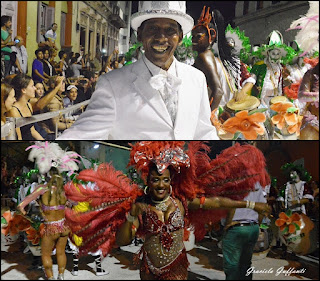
x=49, y=17
x=63, y=28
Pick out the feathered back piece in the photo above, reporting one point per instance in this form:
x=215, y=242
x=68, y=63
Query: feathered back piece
x=234, y=172
x=231, y=174
x=308, y=36
x=109, y=195
x=49, y=154
x=204, y=20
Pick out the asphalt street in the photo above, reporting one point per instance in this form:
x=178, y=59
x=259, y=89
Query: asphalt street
x=205, y=264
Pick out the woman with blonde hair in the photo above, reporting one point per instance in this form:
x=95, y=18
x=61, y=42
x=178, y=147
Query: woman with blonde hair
x=52, y=160
x=7, y=100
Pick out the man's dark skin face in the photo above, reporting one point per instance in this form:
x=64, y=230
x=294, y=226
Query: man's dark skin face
x=200, y=39
x=160, y=38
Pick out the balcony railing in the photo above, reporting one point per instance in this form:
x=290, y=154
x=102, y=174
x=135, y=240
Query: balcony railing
x=8, y=129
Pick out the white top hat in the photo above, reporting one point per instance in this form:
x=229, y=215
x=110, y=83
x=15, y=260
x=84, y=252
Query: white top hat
x=175, y=10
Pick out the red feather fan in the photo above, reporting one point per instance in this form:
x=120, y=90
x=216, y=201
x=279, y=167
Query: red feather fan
x=232, y=174
x=110, y=195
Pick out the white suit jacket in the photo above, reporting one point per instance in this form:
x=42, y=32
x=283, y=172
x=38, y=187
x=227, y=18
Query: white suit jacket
x=124, y=106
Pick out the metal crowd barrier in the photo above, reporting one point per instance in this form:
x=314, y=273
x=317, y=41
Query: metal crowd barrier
x=8, y=129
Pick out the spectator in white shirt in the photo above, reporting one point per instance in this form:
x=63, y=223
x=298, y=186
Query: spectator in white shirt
x=76, y=67
x=22, y=55
x=51, y=34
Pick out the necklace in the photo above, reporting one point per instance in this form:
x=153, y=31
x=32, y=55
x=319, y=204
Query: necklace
x=161, y=205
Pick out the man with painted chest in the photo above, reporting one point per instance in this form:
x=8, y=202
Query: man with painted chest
x=156, y=97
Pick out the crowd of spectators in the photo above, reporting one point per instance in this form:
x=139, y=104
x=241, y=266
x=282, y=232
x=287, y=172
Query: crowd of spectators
x=58, y=80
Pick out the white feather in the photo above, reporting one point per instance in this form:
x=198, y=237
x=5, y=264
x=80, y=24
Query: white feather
x=48, y=155
x=308, y=36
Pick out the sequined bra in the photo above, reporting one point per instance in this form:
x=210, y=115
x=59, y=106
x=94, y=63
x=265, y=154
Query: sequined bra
x=52, y=208
x=152, y=224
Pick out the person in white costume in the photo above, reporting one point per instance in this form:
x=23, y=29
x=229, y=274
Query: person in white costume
x=156, y=97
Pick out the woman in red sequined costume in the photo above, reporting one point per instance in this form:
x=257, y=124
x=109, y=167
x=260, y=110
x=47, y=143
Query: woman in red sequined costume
x=161, y=217
x=183, y=188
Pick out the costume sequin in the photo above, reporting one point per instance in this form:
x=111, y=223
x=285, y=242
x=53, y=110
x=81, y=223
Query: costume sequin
x=163, y=250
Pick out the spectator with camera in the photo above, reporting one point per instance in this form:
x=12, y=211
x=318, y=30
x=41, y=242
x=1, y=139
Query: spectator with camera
x=21, y=54
x=6, y=44
x=84, y=89
x=41, y=99
x=56, y=104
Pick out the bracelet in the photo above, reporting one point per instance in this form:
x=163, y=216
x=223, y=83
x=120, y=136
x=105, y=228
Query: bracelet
x=202, y=199
x=248, y=204
x=130, y=218
x=252, y=204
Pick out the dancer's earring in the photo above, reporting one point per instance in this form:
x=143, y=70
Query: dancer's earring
x=145, y=190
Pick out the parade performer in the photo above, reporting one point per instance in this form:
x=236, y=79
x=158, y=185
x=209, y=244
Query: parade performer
x=308, y=90
x=51, y=160
x=184, y=52
x=241, y=79
x=203, y=37
x=161, y=97
x=25, y=185
x=181, y=189
x=231, y=72
x=269, y=72
x=295, y=194
x=296, y=230
x=84, y=207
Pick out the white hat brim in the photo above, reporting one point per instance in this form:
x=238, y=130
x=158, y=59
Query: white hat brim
x=184, y=20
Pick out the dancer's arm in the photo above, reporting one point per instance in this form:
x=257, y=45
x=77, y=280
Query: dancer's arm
x=33, y=196
x=226, y=203
x=128, y=230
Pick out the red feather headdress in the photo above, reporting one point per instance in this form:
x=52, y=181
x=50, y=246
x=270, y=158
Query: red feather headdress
x=204, y=20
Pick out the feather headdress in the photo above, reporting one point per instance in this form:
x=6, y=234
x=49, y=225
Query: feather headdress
x=204, y=20
x=49, y=154
x=308, y=36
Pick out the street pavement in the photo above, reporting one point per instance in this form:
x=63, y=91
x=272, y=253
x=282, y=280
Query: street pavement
x=205, y=264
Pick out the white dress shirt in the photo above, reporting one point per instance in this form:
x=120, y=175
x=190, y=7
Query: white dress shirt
x=124, y=106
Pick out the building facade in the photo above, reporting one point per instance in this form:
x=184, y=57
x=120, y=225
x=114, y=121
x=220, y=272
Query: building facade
x=89, y=25
x=259, y=18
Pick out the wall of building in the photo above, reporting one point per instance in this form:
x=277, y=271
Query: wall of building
x=92, y=16
x=258, y=24
x=31, y=39
x=124, y=43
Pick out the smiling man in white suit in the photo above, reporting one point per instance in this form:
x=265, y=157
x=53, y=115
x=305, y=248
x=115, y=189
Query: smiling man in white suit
x=156, y=97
